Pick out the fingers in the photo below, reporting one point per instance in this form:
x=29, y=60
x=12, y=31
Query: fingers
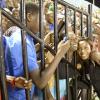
x=48, y=37
x=28, y=84
x=20, y=79
x=60, y=43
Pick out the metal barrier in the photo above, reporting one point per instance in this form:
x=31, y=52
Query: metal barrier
x=25, y=30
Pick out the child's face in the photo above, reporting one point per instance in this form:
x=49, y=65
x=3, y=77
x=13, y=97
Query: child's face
x=84, y=50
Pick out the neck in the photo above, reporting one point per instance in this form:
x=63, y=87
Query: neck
x=29, y=27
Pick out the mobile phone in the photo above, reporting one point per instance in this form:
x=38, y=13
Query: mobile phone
x=65, y=38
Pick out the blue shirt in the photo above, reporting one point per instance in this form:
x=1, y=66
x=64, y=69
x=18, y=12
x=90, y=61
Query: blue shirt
x=2, y=4
x=14, y=61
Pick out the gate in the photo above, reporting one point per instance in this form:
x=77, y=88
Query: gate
x=22, y=25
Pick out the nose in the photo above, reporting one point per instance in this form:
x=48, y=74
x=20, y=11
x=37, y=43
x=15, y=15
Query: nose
x=82, y=51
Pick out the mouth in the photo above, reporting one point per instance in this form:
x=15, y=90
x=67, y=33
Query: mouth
x=84, y=57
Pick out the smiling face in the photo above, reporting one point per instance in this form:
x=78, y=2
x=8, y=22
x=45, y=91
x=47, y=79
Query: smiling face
x=84, y=50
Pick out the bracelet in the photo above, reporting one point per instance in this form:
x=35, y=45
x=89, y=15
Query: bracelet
x=13, y=83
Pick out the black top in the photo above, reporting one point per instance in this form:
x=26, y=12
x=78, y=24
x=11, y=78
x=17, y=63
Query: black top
x=94, y=73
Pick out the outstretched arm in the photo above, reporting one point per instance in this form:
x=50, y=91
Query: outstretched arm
x=19, y=82
x=42, y=80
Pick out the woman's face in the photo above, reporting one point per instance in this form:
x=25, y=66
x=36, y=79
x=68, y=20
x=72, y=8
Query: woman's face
x=84, y=50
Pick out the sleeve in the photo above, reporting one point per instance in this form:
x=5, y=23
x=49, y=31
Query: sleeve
x=32, y=59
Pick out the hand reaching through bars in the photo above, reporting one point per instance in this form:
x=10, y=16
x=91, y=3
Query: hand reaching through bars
x=73, y=41
x=63, y=47
x=49, y=39
x=19, y=82
x=23, y=83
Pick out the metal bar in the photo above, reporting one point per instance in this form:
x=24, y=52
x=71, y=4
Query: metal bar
x=87, y=26
x=75, y=81
x=55, y=47
x=67, y=67
x=90, y=20
x=82, y=24
x=24, y=47
x=64, y=3
x=90, y=33
x=42, y=37
x=4, y=93
x=75, y=21
x=41, y=31
x=22, y=26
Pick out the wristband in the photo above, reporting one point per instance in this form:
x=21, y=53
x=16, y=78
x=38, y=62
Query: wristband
x=13, y=83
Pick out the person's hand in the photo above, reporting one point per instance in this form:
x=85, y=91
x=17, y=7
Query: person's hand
x=63, y=47
x=21, y=82
x=15, y=3
x=73, y=41
x=49, y=38
x=95, y=43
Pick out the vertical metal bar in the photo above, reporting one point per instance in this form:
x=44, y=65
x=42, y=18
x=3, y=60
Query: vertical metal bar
x=41, y=30
x=2, y=66
x=66, y=20
x=75, y=21
x=87, y=34
x=24, y=47
x=67, y=69
x=55, y=47
x=90, y=34
x=82, y=25
x=90, y=20
x=75, y=81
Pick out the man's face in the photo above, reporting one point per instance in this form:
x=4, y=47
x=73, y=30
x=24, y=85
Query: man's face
x=34, y=23
x=84, y=50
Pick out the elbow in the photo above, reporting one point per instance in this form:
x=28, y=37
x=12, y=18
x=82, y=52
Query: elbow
x=41, y=85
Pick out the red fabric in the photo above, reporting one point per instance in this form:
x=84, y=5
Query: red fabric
x=0, y=94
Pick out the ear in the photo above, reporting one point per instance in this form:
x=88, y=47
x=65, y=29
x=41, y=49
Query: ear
x=29, y=17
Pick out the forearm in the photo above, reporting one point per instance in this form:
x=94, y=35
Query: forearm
x=42, y=79
x=49, y=71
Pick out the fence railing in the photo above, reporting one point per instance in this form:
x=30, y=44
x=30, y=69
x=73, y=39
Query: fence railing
x=25, y=30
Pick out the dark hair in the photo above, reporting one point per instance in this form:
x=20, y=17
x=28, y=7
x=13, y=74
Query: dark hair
x=88, y=40
x=32, y=8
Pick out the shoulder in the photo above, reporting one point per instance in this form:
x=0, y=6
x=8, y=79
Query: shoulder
x=95, y=56
x=12, y=37
x=12, y=31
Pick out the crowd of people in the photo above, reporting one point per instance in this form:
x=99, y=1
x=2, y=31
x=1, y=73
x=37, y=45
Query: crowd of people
x=88, y=51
